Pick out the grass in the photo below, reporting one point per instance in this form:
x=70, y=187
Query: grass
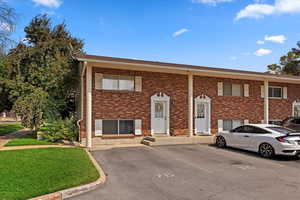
x=29, y=139
x=9, y=128
x=26, y=141
x=33, y=172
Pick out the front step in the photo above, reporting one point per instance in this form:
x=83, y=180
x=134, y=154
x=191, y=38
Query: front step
x=147, y=142
x=158, y=141
x=148, y=138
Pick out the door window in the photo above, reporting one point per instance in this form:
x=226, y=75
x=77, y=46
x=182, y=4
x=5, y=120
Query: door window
x=297, y=111
x=200, y=110
x=159, y=109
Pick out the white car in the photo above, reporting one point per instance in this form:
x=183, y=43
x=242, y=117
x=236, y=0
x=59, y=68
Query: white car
x=266, y=139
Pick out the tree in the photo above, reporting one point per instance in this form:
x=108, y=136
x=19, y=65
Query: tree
x=44, y=62
x=7, y=24
x=289, y=63
x=30, y=107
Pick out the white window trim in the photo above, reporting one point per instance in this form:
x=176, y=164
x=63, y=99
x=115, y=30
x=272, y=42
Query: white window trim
x=103, y=134
x=276, y=97
x=241, y=86
x=118, y=89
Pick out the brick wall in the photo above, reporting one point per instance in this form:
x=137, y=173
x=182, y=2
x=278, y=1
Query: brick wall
x=229, y=107
x=283, y=108
x=137, y=105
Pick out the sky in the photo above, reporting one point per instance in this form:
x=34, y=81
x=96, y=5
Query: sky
x=235, y=34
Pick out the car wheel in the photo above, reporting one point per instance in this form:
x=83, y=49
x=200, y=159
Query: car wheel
x=221, y=142
x=266, y=150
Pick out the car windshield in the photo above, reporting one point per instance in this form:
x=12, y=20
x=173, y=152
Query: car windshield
x=281, y=129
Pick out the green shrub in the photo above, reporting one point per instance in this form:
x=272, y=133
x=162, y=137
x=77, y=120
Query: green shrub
x=62, y=130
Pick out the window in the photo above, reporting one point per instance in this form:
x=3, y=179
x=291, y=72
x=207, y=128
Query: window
x=233, y=89
x=275, y=122
x=231, y=124
x=250, y=129
x=281, y=129
x=116, y=82
x=159, y=110
x=275, y=92
x=200, y=111
x=118, y=127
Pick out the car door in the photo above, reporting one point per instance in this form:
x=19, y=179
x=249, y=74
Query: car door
x=241, y=137
x=256, y=137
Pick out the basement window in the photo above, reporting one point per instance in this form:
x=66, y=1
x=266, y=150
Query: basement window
x=232, y=124
x=118, y=127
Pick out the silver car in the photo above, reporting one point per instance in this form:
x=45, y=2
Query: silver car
x=266, y=139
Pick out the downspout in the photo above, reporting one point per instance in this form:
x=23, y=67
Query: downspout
x=81, y=100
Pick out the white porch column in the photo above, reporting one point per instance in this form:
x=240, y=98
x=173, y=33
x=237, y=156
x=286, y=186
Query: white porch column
x=190, y=104
x=89, y=106
x=266, y=102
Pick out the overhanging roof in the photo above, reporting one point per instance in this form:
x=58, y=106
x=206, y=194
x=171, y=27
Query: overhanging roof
x=190, y=68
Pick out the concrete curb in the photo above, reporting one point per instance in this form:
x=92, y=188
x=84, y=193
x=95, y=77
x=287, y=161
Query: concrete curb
x=71, y=192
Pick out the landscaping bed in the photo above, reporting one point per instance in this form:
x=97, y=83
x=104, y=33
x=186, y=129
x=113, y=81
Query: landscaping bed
x=9, y=128
x=33, y=172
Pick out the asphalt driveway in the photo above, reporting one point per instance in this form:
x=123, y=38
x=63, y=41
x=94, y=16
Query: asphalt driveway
x=194, y=172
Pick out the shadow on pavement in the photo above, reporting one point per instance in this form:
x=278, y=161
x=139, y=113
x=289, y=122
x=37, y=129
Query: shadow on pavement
x=253, y=154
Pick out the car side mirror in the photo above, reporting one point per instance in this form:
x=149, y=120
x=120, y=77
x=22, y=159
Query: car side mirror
x=232, y=131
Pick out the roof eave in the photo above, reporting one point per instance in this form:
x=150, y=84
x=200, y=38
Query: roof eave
x=249, y=75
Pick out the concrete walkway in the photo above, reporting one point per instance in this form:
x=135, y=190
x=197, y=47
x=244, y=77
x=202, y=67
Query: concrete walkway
x=17, y=134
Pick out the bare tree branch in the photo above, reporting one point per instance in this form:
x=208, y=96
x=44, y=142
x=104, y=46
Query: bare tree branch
x=7, y=24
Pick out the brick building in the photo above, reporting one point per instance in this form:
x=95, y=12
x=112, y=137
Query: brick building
x=125, y=98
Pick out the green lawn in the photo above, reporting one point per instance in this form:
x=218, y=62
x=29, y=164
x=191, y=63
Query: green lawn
x=9, y=128
x=32, y=172
x=26, y=141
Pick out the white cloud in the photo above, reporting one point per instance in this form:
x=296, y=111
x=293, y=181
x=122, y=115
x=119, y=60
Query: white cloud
x=48, y=3
x=262, y=52
x=211, y=2
x=276, y=38
x=260, y=10
x=179, y=32
x=260, y=42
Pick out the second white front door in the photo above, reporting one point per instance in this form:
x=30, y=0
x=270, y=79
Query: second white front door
x=202, y=117
x=160, y=117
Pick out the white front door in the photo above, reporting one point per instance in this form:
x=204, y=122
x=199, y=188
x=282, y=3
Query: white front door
x=160, y=117
x=297, y=110
x=202, y=117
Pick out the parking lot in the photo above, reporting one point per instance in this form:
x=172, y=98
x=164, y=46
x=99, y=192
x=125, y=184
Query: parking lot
x=194, y=172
